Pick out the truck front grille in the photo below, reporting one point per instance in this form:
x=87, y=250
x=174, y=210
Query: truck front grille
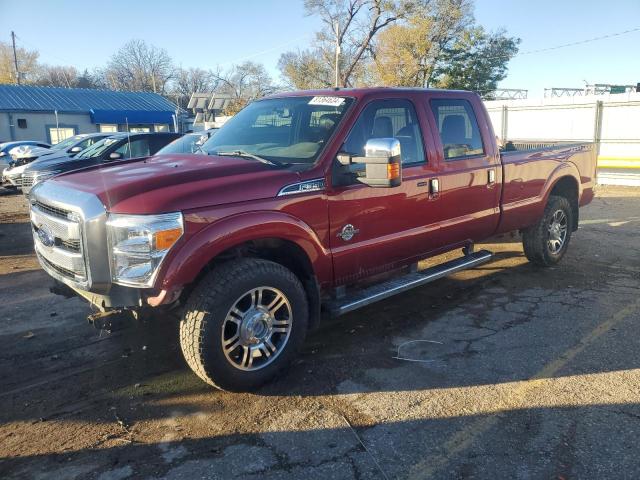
x=58, y=240
x=27, y=179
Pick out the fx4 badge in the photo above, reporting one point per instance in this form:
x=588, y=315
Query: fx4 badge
x=348, y=232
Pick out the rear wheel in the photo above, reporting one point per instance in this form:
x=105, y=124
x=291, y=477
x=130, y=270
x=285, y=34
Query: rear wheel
x=244, y=322
x=546, y=242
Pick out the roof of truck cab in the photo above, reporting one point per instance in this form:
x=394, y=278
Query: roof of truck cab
x=363, y=92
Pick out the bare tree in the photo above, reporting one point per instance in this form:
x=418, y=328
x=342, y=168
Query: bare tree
x=306, y=69
x=56, y=76
x=245, y=83
x=353, y=25
x=138, y=66
x=190, y=80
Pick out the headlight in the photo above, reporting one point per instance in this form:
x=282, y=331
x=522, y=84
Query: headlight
x=139, y=243
x=40, y=176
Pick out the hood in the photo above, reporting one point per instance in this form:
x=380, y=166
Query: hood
x=169, y=183
x=49, y=161
x=15, y=170
x=26, y=154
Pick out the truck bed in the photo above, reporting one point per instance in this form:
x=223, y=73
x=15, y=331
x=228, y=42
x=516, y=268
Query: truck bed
x=527, y=172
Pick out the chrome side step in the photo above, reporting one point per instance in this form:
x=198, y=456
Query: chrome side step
x=380, y=291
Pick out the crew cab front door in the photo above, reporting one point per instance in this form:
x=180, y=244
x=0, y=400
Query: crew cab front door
x=374, y=230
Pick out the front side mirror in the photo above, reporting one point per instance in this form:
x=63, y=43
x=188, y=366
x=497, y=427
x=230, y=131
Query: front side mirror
x=75, y=150
x=115, y=156
x=382, y=161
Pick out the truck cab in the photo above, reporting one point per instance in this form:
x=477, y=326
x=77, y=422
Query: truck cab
x=305, y=204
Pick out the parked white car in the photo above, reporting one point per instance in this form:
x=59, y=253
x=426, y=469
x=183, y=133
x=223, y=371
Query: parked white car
x=20, y=157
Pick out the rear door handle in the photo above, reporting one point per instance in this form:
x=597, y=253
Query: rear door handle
x=491, y=176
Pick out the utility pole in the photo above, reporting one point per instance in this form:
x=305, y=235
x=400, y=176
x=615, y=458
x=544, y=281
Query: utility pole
x=337, y=67
x=15, y=56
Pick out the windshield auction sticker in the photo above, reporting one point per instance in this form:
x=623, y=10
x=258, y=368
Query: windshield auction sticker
x=330, y=101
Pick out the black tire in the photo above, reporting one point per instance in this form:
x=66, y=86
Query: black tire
x=201, y=328
x=535, y=239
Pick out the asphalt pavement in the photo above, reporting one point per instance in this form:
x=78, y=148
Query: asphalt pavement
x=504, y=371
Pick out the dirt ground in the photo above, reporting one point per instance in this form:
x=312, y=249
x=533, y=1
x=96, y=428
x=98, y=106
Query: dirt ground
x=505, y=371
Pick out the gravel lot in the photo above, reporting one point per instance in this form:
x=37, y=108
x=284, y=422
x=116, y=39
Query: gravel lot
x=525, y=373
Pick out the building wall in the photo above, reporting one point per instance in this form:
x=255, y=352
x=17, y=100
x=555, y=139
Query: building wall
x=39, y=123
x=5, y=133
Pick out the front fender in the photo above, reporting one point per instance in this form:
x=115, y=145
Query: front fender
x=197, y=251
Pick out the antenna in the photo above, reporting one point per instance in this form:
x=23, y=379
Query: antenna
x=126, y=119
x=57, y=126
x=337, y=60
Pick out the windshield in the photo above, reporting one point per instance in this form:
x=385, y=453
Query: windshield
x=66, y=143
x=97, y=148
x=185, y=144
x=282, y=130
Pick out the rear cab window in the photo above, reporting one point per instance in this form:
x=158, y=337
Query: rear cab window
x=458, y=128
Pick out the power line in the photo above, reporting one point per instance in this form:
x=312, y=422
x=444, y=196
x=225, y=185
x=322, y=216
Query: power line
x=581, y=42
x=565, y=45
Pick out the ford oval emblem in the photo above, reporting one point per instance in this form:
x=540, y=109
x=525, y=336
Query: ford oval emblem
x=45, y=236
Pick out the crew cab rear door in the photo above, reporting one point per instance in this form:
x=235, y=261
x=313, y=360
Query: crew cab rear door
x=373, y=230
x=469, y=171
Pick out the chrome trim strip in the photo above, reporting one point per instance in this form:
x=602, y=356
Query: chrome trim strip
x=315, y=185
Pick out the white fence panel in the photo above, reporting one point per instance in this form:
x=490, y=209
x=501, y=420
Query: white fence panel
x=552, y=123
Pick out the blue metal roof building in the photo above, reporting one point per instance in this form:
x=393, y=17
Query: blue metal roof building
x=28, y=112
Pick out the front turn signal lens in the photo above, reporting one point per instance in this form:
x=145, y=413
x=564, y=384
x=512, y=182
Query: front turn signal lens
x=166, y=238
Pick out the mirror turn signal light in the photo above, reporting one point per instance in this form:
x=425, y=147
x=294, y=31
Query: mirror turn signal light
x=393, y=170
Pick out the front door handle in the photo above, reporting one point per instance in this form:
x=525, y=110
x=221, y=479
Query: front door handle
x=434, y=188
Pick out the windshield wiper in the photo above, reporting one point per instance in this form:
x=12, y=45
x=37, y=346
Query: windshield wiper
x=243, y=154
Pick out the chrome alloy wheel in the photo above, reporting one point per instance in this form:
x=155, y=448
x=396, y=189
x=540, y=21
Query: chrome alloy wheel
x=557, y=231
x=257, y=328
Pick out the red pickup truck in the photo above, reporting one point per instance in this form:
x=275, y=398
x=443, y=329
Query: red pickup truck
x=305, y=203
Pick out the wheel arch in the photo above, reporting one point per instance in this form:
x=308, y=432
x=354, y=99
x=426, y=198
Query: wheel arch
x=568, y=187
x=276, y=237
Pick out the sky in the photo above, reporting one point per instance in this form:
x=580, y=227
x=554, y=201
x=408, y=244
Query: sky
x=199, y=33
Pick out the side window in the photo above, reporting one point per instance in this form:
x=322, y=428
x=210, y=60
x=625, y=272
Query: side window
x=86, y=143
x=161, y=141
x=139, y=148
x=386, y=119
x=458, y=128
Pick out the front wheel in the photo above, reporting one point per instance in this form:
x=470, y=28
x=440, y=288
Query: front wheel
x=546, y=242
x=244, y=322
